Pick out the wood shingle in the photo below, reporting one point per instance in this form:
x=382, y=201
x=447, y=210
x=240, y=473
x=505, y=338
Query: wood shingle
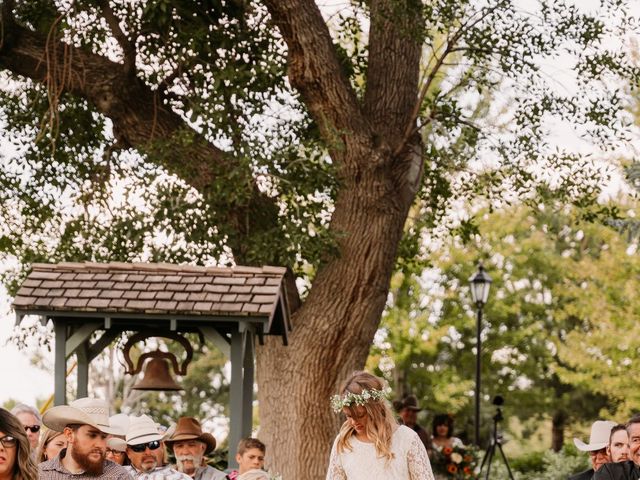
x=156, y=289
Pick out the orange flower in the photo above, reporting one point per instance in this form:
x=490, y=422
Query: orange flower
x=451, y=468
x=468, y=458
x=467, y=470
x=447, y=451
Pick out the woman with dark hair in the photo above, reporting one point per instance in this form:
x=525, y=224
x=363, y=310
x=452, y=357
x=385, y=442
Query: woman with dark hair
x=442, y=433
x=371, y=444
x=15, y=453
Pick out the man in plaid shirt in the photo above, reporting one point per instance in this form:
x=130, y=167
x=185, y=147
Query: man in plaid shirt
x=85, y=424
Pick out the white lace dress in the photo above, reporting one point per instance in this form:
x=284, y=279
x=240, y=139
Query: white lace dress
x=362, y=463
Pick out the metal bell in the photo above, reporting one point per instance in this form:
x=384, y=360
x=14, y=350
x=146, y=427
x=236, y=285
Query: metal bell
x=157, y=376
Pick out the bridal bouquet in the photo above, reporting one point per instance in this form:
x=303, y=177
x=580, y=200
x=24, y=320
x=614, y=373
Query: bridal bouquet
x=457, y=463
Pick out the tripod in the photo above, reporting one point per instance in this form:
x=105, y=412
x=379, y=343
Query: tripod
x=496, y=441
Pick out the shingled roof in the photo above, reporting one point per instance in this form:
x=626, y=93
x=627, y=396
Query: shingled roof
x=154, y=289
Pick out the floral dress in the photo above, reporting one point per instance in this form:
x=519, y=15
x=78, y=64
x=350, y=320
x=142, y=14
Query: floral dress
x=410, y=460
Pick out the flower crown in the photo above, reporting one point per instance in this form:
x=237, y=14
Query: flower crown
x=338, y=402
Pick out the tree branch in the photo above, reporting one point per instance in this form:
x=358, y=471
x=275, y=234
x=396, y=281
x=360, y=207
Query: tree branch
x=128, y=46
x=451, y=46
x=314, y=70
x=142, y=120
x=395, y=42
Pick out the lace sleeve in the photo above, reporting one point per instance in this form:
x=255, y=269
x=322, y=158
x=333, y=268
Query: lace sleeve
x=418, y=460
x=335, y=471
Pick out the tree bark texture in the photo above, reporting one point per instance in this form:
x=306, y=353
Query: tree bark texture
x=379, y=166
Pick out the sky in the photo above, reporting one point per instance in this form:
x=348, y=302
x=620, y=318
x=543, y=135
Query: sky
x=24, y=382
x=21, y=381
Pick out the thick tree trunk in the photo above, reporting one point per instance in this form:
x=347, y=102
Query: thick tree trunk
x=333, y=331
x=557, y=430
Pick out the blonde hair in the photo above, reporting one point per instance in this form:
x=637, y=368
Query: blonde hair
x=382, y=422
x=41, y=454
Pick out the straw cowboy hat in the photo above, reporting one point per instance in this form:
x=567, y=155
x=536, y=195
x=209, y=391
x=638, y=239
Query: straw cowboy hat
x=142, y=429
x=599, y=439
x=409, y=402
x=188, y=428
x=84, y=411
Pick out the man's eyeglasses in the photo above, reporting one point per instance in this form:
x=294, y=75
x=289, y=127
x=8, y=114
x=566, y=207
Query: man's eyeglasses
x=33, y=428
x=8, y=441
x=143, y=446
x=115, y=453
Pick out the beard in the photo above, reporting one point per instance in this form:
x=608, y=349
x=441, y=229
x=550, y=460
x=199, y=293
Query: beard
x=195, y=462
x=91, y=467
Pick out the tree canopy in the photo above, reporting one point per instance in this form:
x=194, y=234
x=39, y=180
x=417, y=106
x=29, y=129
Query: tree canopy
x=558, y=328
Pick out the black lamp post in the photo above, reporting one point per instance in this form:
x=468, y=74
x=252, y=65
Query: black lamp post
x=480, y=283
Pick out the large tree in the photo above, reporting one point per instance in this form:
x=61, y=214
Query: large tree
x=265, y=132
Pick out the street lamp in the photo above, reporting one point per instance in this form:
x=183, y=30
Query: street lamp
x=480, y=283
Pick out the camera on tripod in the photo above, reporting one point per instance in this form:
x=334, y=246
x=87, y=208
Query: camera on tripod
x=496, y=440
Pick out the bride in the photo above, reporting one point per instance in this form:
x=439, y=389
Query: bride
x=370, y=444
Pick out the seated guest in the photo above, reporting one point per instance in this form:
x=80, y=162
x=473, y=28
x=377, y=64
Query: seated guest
x=597, y=448
x=145, y=451
x=117, y=451
x=190, y=446
x=85, y=424
x=15, y=450
x=618, y=448
x=31, y=421
x=51, y=444
x=116, y=444
x=249, y=455
x=629, y=470
x=442, y=437
x=408, y=409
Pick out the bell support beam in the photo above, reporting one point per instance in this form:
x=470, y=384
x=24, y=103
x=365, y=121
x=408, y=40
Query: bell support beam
x=60, y=368
x=82, y=355
x=247, y=383
x=241, y=391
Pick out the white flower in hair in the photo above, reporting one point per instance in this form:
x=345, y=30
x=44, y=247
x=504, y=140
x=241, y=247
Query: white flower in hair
x=338, y=402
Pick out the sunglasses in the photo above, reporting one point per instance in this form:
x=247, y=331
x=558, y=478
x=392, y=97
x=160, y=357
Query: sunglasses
x=8, y=441
x=115, y=453
x=143, y=446
x=33, y=428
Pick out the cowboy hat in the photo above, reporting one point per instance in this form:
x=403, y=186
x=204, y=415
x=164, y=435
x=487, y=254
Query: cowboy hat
x=599, y=439
x=83, y=411
x=142, y=429
x=254, y=474
x=188, y=428
x=409, y=402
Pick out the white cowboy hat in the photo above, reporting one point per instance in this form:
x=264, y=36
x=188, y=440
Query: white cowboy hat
x=254, y=474
x=83, y=411
x=120, y=421
x=142, y=429
x=599, y=439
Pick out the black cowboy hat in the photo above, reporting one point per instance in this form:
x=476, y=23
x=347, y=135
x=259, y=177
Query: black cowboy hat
x=410, y=402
